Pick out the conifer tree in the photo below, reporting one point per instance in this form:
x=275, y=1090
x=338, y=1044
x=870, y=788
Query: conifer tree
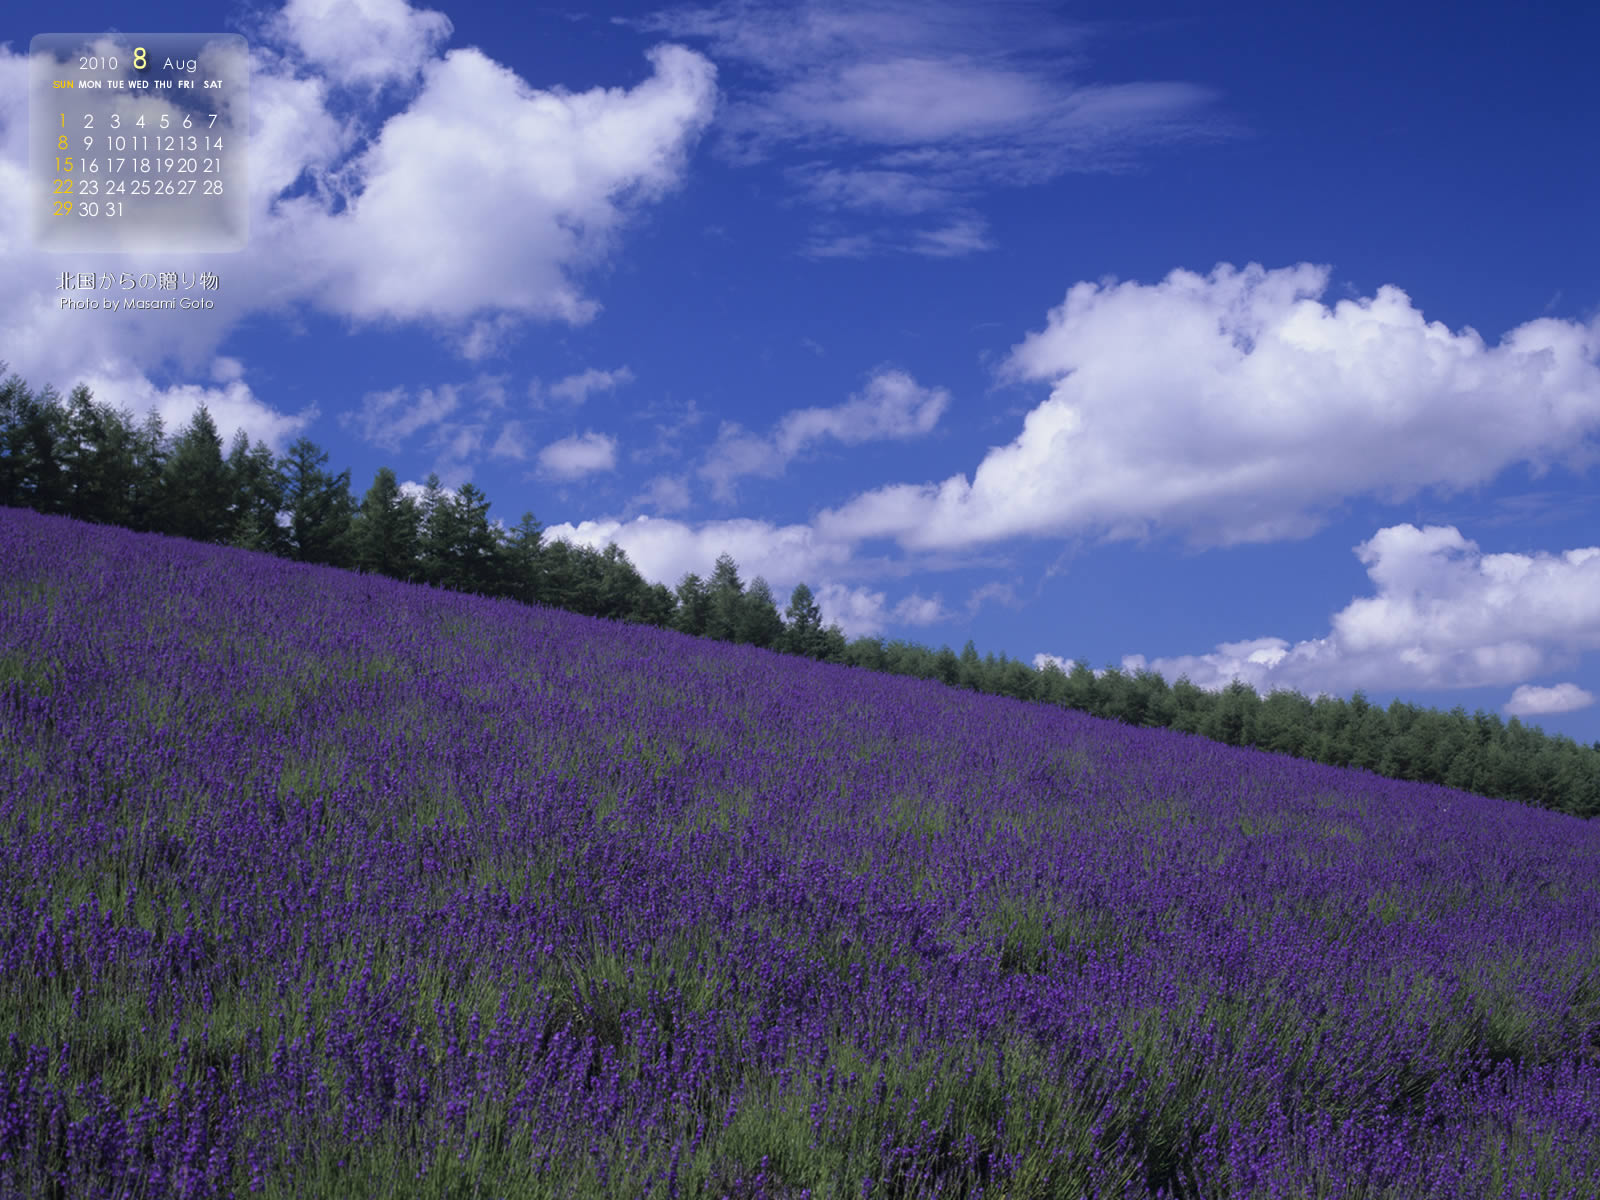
x=726, y=593
x=620, y=584
x=833, y=644
x=100, y=462
x=802, y=632
x=655, y=606
x=439, y=522
x=257, y=486
x=32, y=447
x=196, y=491
x=521, y=548
x=149, y=462
x=319, y=506
x=969, y=672
x=759, y=623
x=479, y=568
x=694, y=605
x=387, y=528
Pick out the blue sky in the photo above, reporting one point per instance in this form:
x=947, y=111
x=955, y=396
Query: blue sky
x=1263, y=341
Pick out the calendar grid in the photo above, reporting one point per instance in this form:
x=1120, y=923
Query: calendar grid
x=138, y=141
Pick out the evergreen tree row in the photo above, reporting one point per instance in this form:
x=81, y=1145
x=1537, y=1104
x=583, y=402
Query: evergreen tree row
x=80, y=458
x=83, y=459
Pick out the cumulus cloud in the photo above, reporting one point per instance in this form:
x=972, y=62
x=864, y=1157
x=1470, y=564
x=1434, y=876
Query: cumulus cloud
x=914, y=107
x=893, y=406
x=1443, y=614
x=665, y=550
x=1530, y=701
x=1065, y=665
x=917, y=609
x=232, y=405
x=577, y=456
x=563, y=163
x=361, y=216
x=864, y=612
x=362, y=43
x=1237, y=407
x=417, y=491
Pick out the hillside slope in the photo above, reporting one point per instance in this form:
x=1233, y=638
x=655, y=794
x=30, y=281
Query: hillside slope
x=316, y=883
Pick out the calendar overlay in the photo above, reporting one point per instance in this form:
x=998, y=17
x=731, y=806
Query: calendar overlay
x=137, y=141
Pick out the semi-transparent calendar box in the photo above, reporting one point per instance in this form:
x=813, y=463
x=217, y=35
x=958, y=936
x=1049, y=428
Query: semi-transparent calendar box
x=137, y=141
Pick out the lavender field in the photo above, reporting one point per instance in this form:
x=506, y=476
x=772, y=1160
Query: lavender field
x=317, y=884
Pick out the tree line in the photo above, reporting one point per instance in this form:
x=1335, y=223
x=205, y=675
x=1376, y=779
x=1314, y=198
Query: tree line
x=81, y=458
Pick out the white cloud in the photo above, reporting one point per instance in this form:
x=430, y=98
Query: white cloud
x=1237, y=407
x=511, y=443
x=418, y=491
x=576, y=388
x=389, y=417
x=865, y=188
x=960, y=234
x=664, y=494
x=1068, y=665
x=858, y=611
x=362, y=42
x=1001, y=593
x=665, y=550
x=893, y=406
x=1530, y=701
x=863, y=612
x=233, y=406
x=917, y=609
x=458, y=446
x=851, y=245
x=487, y=336
x=565, y=164
x=362, y=217
x=915, y=106
x=460, y=422
x=226, y=370
x=1444, y=615
x=579, y=455
x=965, y=236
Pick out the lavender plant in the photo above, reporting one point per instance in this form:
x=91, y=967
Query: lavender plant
x=318, y=884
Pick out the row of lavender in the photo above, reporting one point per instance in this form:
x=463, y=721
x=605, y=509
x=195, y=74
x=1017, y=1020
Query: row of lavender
x=315, y=883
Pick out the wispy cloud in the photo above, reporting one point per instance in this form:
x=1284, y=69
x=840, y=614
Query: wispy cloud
x=577, y=388
x=916, y=107
x=460, y=423
x=387, y=418
x=893, y=406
